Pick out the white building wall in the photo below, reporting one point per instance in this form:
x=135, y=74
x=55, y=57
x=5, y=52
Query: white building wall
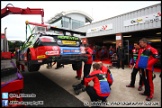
x=121, y=23
x=77, y=17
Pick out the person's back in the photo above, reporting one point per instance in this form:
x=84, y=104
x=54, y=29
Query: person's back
x=106, y=71
x=100, y=83
x=100, y=89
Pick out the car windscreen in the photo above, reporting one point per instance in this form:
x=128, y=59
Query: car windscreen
x=60, y=40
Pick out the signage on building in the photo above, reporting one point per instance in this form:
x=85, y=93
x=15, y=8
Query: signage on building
x=100, y=28
x=144, y=19
x=118, y=37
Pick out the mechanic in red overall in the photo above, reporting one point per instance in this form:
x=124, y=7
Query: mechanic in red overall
x=78, y=68
x=135, y=68
x=105, y=70
x=147, y=57
x=79, y=73
x=100, y=90
x=87, y=64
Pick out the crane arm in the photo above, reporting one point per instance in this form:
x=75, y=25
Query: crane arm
x=26, y=11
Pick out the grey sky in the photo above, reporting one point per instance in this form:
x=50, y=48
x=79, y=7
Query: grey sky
x=98, y=10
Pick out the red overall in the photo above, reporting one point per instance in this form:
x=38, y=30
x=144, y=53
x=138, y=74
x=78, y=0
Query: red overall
x=105, y=71
x=152, y=54
x=79, y=72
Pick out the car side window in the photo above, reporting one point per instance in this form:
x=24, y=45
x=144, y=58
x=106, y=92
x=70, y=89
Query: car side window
x=34, y=39
x=28, y=42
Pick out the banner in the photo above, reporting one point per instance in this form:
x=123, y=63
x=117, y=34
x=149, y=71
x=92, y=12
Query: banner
x=144, y=19
x=100, y=28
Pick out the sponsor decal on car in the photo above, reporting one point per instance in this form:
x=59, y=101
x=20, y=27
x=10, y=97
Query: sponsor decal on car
x=41, y=56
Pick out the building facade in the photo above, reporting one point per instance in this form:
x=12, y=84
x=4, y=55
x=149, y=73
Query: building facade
x=147, y=18
x=70, y=19
x=125, y=28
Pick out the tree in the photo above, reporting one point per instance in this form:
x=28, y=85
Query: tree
x=12, y=45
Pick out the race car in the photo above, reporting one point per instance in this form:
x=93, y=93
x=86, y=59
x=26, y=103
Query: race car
x=52, y=45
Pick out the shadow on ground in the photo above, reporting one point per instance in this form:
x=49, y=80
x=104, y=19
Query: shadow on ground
x=47, y=91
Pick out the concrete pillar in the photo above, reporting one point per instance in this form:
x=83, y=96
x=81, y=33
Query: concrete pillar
x=119, y=39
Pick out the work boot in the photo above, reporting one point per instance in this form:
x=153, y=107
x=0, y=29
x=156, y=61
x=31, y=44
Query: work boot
x=154, y=76
x=129, y=86
x=149, y=98
x=144, y=94
x=76, y=85
x=77, y=77
x=140, y=88
x=79, y=86
x=49, y=67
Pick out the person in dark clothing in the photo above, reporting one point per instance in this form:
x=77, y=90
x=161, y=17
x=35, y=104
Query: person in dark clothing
x=17, y=56
x=120, y=56
x=59, y=65
x=147, y=57
x=101, y=89
x=94, y=52
x=49, y=65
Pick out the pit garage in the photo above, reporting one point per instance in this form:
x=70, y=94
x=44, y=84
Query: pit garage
x=153, y=36
x=127, y=29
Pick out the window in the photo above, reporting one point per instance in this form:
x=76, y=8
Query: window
x=76, y=24
x=35, y=37
x=66, y=22
x=58, y=23
x=47, y=39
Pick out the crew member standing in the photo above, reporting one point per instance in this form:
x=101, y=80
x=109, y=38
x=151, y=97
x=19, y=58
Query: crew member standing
x=135, y=69
x=87, y=64
x=147, y=57
x=120, y=56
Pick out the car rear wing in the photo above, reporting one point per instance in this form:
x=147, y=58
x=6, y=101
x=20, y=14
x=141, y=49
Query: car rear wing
x=67, y=32
x=48, y=29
